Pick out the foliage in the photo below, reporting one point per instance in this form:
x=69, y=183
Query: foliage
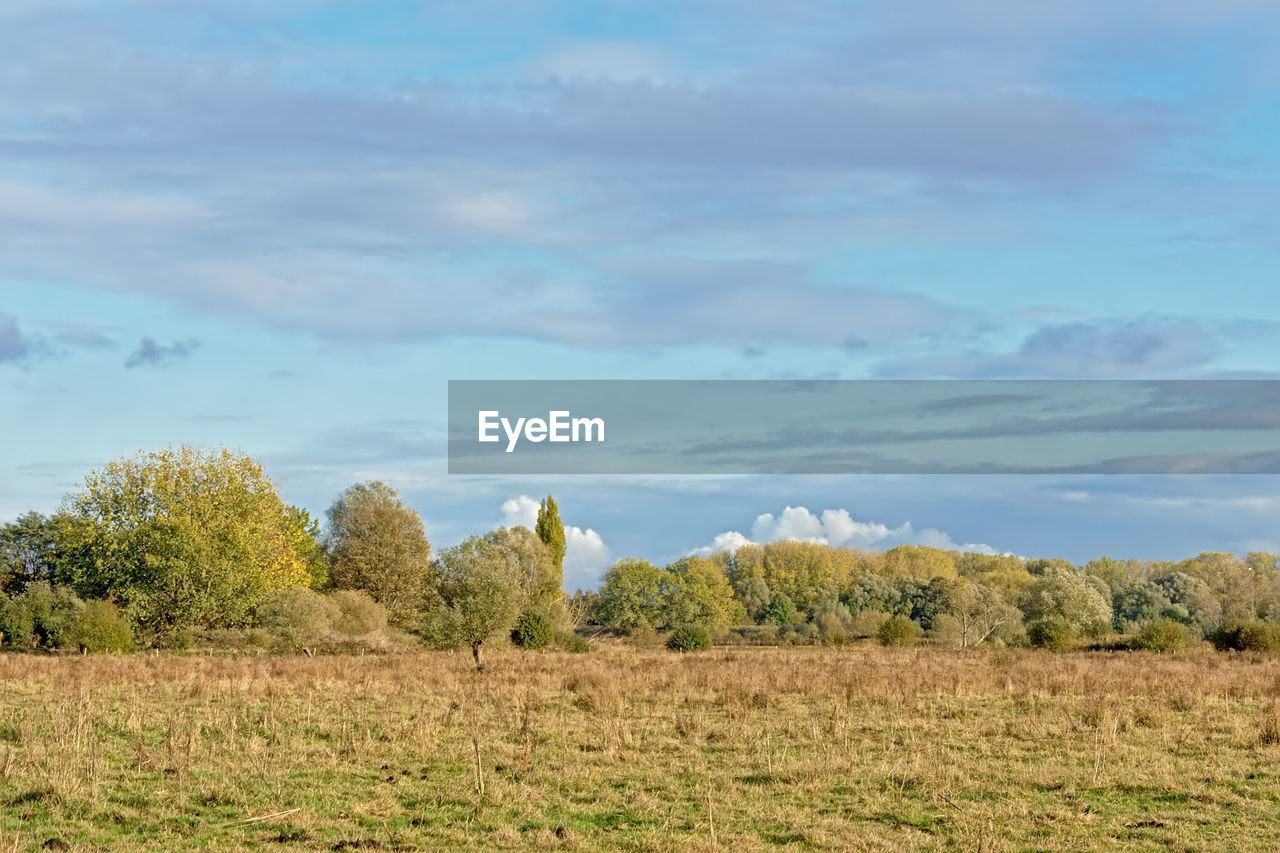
x=568, y=641
x=1051, y=632
x=533, y=630
x=101, y=627
x=550, y=530
x=754, y=594
x=1064, y=593
x=541, y=578
x=631, y=596
x=1161, y=635
x=28, y=551
x=689, y=638
x=183, y=537
x=42, y=616
x=299, y=617
x=377, y=544
x=354, y=613
x=781, y=610
x=694, y=591
x=1247, y=635
x=898, y=631
x=478, y=596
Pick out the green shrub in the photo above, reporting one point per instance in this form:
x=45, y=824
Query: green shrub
x=1051, y=633
x=178, y=640
x=41, y=616
x=898, y=631
x=570, y=642
x=533, y=630
x=101, y=628
x=689, y=638
x=1247, y=636
x=1161, y=635
x=17, y=625
x=297, y=616
x=355, y=614
x=781, y=610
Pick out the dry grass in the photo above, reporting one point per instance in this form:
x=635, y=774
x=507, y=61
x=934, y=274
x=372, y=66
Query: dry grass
x=855, y=748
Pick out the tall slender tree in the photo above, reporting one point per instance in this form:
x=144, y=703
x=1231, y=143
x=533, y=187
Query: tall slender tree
x=550, y=530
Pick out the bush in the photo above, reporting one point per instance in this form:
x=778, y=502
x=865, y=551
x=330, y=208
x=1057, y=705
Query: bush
x=689, y=638
x=533, y=630
x=297, y=616
x=1051, y=633
x=354, y=613
x=781, y=610
x=101, y=628
x=1247, y=636
x=867, y=623
x=41, y=616
x=178, y=640
x=1161, y=635
x=570, y=642
x=898, y=631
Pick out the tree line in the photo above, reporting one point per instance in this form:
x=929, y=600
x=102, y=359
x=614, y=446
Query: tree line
x=155, y=547
x=807, y=591
x=161, y=544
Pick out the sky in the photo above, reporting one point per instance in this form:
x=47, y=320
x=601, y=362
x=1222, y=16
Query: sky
x=283, y=226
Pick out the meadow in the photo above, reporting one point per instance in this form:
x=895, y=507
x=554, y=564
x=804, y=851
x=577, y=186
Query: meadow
x=846, y=748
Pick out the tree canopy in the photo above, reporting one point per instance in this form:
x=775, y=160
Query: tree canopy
x=183, y=537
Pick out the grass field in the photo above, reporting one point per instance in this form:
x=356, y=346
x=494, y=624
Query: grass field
x=622, y=749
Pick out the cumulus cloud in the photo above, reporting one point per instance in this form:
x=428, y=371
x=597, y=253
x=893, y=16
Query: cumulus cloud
x=586, y=556
x=835, y=527
x=151, y=354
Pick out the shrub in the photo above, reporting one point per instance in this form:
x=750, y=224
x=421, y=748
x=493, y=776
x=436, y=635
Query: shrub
x=101, y=628
x=1161, y=635
x=533, y=630
x=1247, y=636
x=17, y=625
x=297, y=616
x=354, y=613
x=41, y=616
x=781, y=610
x=179, y=640
x=570, y=642
x=898, y=631
x=689, y=638
x=1051, y=633
x=867, y=623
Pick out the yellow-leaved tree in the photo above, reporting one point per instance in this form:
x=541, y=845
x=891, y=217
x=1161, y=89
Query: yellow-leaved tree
x=184, y=537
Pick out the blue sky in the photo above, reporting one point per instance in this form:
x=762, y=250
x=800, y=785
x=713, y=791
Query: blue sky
x=284, y=226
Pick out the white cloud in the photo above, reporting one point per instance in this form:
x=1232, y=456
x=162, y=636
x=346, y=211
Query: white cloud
x=586, y=556
x=835, y=527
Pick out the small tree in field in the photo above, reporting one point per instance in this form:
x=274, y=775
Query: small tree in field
x=479, y=596
x=377, y=544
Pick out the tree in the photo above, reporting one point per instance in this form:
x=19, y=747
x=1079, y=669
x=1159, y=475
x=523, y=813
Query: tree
x=551, y=531
x=182, y=537
x=695, y=591
x=631, y=596
x=377, y=544
x=1066, y=594
x=28, y=551
x=478, y=596
x=540, y=579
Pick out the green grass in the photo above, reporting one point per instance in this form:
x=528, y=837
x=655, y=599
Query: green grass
x=746, y=749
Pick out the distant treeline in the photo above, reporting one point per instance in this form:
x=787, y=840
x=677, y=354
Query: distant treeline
x=804, y=591
x=161, y=547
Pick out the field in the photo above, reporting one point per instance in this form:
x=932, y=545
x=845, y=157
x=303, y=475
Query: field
x=624, y=749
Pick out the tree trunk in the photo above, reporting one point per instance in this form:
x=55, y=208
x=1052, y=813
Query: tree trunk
x=475, y=653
